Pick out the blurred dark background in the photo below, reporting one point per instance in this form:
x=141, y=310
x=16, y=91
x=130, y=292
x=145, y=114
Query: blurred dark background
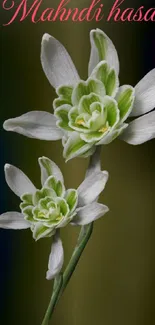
x=114, y=281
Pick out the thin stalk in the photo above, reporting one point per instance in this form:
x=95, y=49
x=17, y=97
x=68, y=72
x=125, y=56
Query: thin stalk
x=84, y=236
x=56, y=290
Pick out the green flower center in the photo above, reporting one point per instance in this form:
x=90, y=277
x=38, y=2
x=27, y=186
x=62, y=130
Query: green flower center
x=50, y=208
x=96, y=109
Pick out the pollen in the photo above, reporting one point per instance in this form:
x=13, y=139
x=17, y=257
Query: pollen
x=103, y=129
x=80, y=122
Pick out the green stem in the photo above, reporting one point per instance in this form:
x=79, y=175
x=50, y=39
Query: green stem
x=56, y=290
x=61, y=282
x=84, y=236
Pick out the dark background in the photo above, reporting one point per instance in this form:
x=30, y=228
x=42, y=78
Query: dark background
x=114, y=281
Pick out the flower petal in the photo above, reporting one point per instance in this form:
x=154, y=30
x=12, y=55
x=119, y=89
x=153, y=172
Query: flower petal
x=57, y=186
x=71, y=198
x=75, y=146
x=102, y=48
x=145, y=95
x=57, y=63
x=35, y=124
x=113, y=134
x=18, y=181
x=62, y=115
x=56, y=258
x=49, y=168
x=41, y=231
x=91, y=187
x=89, y=213
x=108, y=76
x=83, y=88
x=125, y=99
x=140, y=130
x=13, y=220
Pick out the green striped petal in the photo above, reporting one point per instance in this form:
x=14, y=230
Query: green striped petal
x=93, y=136
x=41, y=231
x=41, y=194
x=102, y=48
x=87, y=87
x=108, y=76
x=75, y=146
x=125, y=99
x=112, y=111
x=28, y=213
x=65, y=92
x=71, y=198
x=86, y=102
x=57, y=186
x=113, y=134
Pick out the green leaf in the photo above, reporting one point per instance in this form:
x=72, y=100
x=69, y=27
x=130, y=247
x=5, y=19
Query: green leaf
x=87, y=87
x=72, y=198
x=125, y=99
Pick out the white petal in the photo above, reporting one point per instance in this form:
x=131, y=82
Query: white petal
x=91, y=187
x=56, y=258
x=145, y=95
x=140, y=130
x=35, y=124
x=57, y=63
x=18, y=181
x=13, y=220
x=48, y=168
x=110, y=53
x=89, y=214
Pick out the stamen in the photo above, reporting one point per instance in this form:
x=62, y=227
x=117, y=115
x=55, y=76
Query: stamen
x=103, y=129
x=80, y=122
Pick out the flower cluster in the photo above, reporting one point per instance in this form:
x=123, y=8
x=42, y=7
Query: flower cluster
x=47, y=210
x=92, y=112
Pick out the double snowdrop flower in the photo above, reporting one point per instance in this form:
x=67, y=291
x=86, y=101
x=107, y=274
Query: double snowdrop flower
x=52, y=207
x=93, y=112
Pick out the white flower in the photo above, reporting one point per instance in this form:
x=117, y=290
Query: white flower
x=52, y=207
x=93, y=112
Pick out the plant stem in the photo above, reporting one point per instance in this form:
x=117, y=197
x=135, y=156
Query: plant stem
x=56, y=290
x=84, y=236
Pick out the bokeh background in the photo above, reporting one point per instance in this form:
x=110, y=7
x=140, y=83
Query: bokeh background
x=114, y=282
